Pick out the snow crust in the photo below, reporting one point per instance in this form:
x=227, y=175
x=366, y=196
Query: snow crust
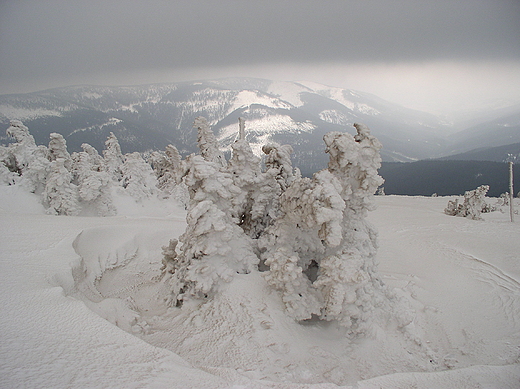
x=82, y=306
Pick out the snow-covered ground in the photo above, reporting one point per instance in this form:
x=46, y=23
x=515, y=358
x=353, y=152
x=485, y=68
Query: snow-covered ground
x=82, y=302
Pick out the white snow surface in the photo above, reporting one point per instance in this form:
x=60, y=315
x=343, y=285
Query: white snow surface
x=288, y=91
x=261, y=129
x=247, y=97
x=82, y=307
x=20, y=113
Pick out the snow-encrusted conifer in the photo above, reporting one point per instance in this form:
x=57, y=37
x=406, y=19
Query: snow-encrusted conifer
x=20, y=133
x=58, y=149
x=250, y=205
x=114, y=158
x=321, y=250
x=169, y=169
x=348, y=279
x=28, y=161
x=278, y=162
x=214, y=248
x=138, y=177
x=94, y=183
x=7, y=177
x=207, y=142
x=60, y=195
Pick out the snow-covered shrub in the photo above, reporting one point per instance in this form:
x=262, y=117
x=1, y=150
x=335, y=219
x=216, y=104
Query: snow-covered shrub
x=207, y=143
x=321, y=250
x=252, y=209
x=474, y=204
x=503, y=199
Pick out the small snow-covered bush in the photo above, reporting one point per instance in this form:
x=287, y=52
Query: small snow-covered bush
x=474, y=204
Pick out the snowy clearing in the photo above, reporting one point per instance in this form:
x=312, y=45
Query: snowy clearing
x=83, y=306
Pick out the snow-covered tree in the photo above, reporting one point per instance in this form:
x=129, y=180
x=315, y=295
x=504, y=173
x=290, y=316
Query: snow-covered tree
x=169, y=168
x=214, y=248
x=20, y=133
x=278, y=162
x=7, y=177
x=94, y=183
x=114, y=159
x=321, y=250
x=311, y=234
x=138, y=177
x=28, y=161
x=60, y=195
x=207, y=143
x=251, y=205
x=58, y=149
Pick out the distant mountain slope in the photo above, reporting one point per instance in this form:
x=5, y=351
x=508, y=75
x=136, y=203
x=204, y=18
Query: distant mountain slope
x=446, y=177
x=495, y=154
x=504, y=130
x=152, y=116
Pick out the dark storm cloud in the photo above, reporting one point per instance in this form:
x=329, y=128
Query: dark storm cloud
x=72, y=36
x=61, y=42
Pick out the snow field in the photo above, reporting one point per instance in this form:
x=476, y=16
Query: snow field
x=83, y=306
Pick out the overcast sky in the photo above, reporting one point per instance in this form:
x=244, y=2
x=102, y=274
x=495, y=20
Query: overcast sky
x=434, y=55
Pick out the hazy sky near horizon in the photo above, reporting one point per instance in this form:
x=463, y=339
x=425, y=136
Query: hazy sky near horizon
x=434, y=55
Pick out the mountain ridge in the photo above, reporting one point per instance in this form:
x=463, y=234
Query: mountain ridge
x=151, y=116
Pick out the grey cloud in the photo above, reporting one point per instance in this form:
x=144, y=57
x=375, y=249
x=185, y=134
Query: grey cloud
x=46, y=38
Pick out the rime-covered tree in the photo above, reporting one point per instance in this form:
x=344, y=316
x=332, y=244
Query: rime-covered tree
x=214, y=248
x=278, y=161
x=207, y=143
x=94, y=183
x=60, y=195
x=26, y=160
x=114, y=159
x=169, y=168
x=138, y=177
x=250, y=205
x=7, y=177
x=348, y=279
x=58, y=149
x=312, y=234
x=321, y=250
